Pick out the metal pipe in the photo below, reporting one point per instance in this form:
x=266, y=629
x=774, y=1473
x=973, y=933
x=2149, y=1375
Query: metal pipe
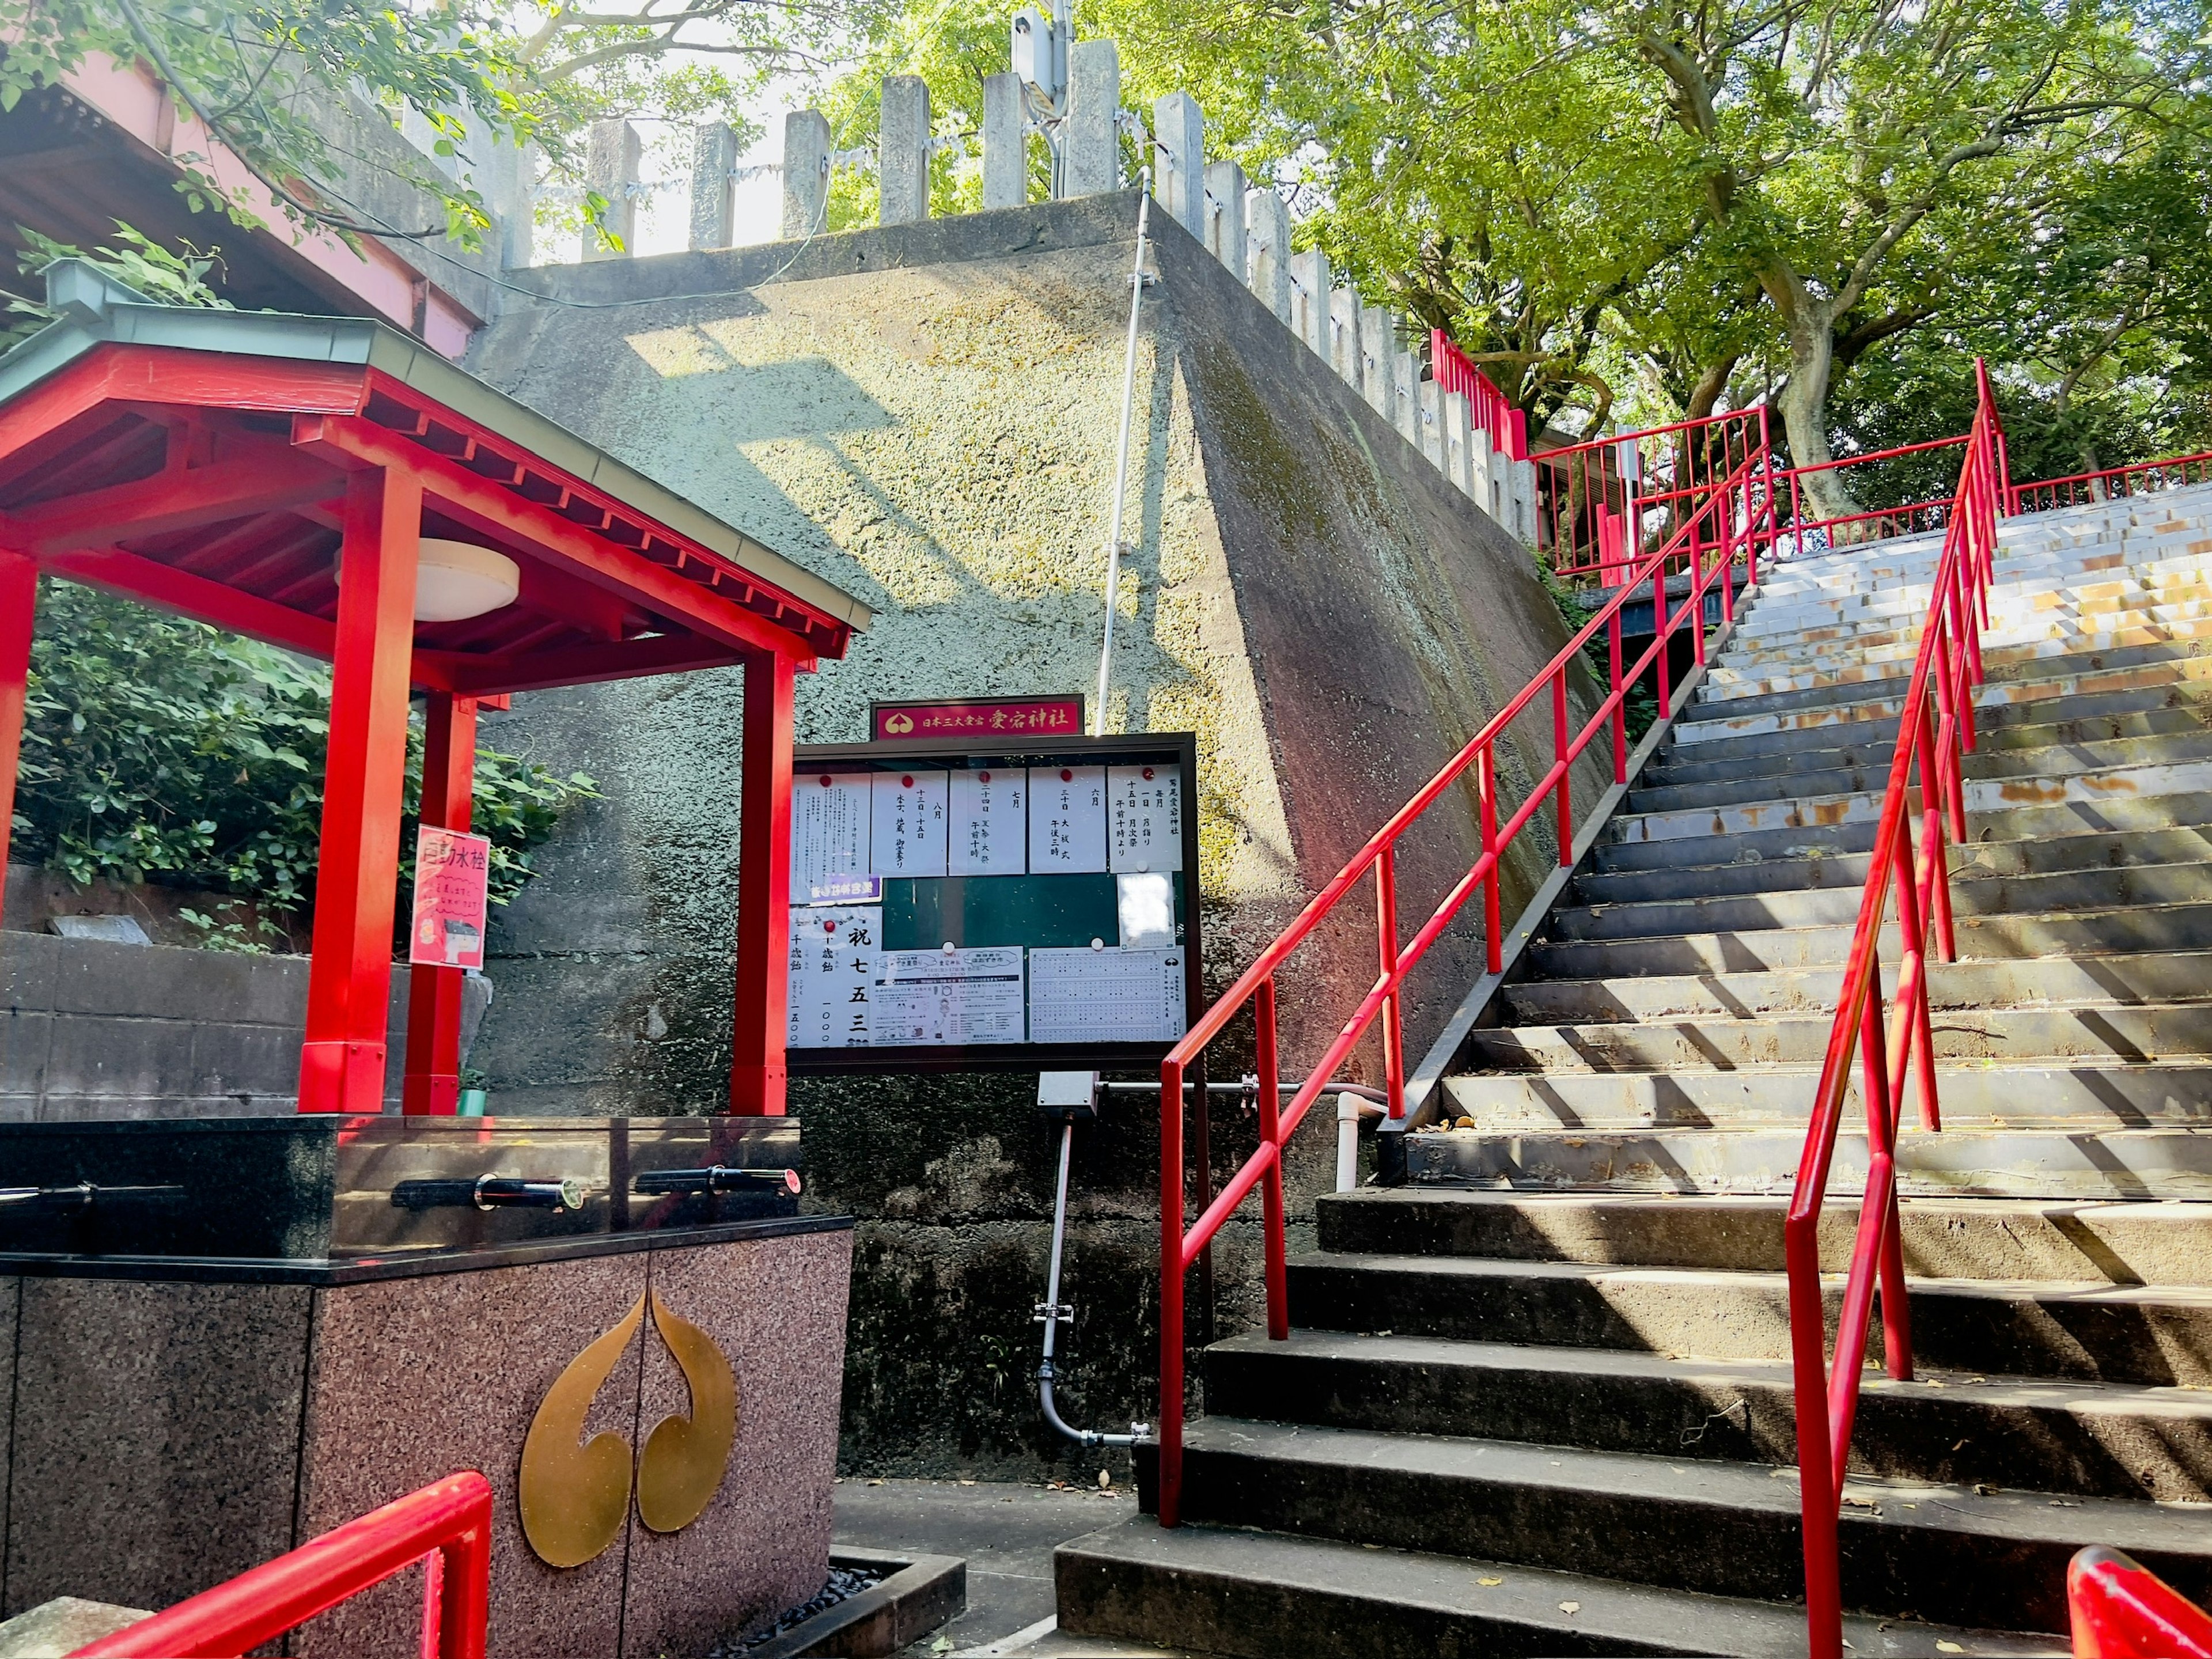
x=1121, y=453
x=1052, y=1313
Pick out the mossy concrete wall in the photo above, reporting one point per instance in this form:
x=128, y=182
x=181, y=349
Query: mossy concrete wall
x=926, y=415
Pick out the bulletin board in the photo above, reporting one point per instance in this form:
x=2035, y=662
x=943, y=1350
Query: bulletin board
x=1019, y=903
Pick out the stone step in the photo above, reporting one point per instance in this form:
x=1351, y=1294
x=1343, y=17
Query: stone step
x=1800, y=633
x=2093, y=786
x=2093, y=1166
x=2088, y=850
x=2108, y=1032
x=2002, y=649
x=1983, y=938
x=2094, y=1096
x=2152, y=1336
x=2128, y=814
x=2079, y=1439
x=2078, y=892
x=1900, y=604
x=2133, y=1242
x=2003, y=680
x=2110, y=555
x=1714, y=1528
x=2088, y=982
x=1802, y=711
x=1261, y=1595
x=1811, y=780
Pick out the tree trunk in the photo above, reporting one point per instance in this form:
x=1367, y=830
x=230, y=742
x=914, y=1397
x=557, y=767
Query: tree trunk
x=1804, y=405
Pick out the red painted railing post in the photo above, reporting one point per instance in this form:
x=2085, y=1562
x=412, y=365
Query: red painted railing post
x=2120, y=1610
x=1663, y=625
x=1620, y=699
x=1566, y=831
x=432, y=1082
x=1171, y=1273
x=1485, y=786
x=1386, y=951
x=1271, y=1190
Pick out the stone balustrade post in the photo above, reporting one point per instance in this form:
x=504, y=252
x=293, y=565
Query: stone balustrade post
x=1268, y=230
x=1221, y=215
x=1181, y=126
x=1378, y=338
x=1091, y=138
x=1459, y=450
x=1006, y=150
x=903, y=151
x=612, y=153
x=1430, y=406
x=713, y=185
x=1345, y=328
x=1405, y=387
x=1310, y=297
x=806, y=173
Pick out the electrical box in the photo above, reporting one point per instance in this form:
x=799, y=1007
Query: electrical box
x=1040, y=52
x=1068, y=1094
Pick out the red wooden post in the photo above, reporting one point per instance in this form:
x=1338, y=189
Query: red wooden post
x=349, y=982
x=757, y=1073
x=19, y=605
x=433, y=1085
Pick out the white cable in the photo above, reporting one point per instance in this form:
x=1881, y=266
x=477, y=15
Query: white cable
x=1121, y=456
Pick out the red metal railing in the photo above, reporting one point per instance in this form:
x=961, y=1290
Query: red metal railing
x=1936, y=730
x=2120, y=1611
x=1731, y=522
x=1873, y=524
x=448, y=1522
x=1599, y=503
x=1507, y=426
x=2141, y=478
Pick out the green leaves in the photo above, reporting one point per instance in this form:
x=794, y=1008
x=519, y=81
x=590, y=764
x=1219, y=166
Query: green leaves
x=155, y=749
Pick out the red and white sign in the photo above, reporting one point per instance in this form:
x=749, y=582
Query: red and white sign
x=978, y=717
x=452, y=885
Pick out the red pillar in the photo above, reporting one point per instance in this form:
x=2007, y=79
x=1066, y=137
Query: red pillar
x=432, y=1086
x=19, y=604
x=342, y=1062
x=756, y=1075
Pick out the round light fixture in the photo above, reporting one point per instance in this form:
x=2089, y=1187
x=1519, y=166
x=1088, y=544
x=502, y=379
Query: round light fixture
x=456, y=580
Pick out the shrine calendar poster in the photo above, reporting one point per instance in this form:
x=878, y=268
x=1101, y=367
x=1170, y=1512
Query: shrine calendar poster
x=453, y=875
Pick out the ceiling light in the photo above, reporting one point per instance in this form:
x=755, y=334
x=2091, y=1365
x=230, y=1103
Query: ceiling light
x=456, y=580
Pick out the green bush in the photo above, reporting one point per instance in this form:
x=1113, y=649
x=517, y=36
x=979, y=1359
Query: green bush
x=158, y=750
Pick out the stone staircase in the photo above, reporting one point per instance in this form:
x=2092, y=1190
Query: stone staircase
x=1537, y=1400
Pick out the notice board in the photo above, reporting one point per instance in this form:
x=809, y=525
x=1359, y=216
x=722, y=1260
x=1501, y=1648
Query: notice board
x=1016, y=901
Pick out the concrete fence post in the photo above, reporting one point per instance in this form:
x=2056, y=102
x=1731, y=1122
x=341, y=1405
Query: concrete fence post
x=1524, y=500
x=514, y=171
x=903, y=151
x=612, y=153
x=1405, y=387
x=1181, y=125
x=1222, y=215
x=1309, y=276
x=1345, y=328
x=1090, y=140
x=1483, y=473
x=1378, y=338
x=1431, y=405
x=1459, y=450
x=1006, y=153
x=1268, y=230
x=713, y=185
x=806, y=173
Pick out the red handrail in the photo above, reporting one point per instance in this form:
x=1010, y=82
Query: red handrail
x=1933, y=739
x=1595, y=496
x=1734, y=520
x=2113, y=481
x=449, y=1521
x=2119, y=1610
x=1451, y=368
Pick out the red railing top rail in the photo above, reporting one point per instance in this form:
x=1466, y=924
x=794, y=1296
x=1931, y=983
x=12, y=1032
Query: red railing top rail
x=2122, y=1610
x=449, y=1521
x=1561, y=452
x=2202, y=458
x=1454, y=371
x=1920, y=448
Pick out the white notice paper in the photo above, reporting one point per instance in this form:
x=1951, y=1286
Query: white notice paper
x=1144, y=815
x=835, y=952
x=908, y=838
x=829, y=814
x=1080, y=996
x=1067, y=820
x=938, y=997
x=989, y=824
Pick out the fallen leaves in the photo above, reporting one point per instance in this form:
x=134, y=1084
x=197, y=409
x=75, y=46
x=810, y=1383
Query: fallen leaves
x=1571, y=1607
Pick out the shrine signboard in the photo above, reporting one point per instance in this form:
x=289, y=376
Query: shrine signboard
x=1005, y=901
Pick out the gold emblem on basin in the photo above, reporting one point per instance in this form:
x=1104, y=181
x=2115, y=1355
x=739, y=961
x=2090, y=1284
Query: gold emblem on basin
x=575, y=1492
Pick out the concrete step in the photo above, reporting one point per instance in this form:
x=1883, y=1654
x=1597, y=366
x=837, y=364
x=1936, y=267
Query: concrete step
x=1782, y=624
x=2112, y=1032
x=2017, y=632
x=2091, y=1332
x=1815, y=781
x=1979, y=938
x=2002, y=648
x=2088, y=850
x=2090, y=785
x=1263, y=1595
x=2084, y=982
x=2090, y=1096
x=2079, y=1439
x=2120, y=1243
x=2161, y=813
x=1709, y=1527
x=2093, y=1166
x=2079, y=892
